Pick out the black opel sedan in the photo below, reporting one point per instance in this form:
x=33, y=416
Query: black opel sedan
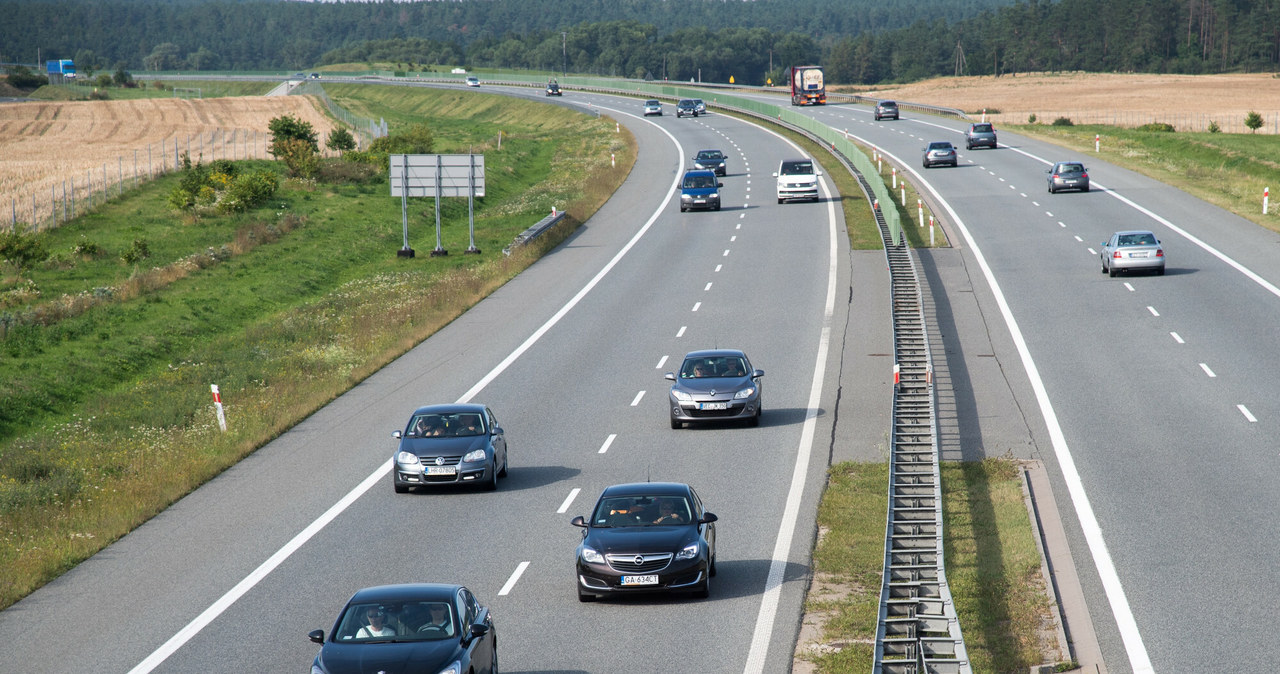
x=646, y=537
x=450, y=444
x=418, y=627
x=717, y=384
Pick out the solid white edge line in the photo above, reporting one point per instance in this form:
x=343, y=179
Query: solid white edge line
x=1136, y=649
x=568, y=500
x=791, y=512
x=223, y=603
x=511, y=582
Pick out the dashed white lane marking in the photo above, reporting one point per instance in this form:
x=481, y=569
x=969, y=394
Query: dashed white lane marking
x=1207, y=370
x=636, y=401
x=1245, y=411
x=1177, y=338
x=1153, y=311
x=511, y=582
x=661, y=362
x=568, y=500
x=607, y=441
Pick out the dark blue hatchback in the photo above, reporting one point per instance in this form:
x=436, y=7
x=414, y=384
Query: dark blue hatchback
x=699, y=189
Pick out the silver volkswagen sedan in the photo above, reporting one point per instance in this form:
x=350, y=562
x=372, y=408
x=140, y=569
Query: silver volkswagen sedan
x=717, y=384
x=1134, y=250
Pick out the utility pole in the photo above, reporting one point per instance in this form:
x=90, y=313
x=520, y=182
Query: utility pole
x=564, y=51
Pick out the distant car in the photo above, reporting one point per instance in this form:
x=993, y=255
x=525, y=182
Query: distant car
x=646, y=537
x=473, y=81
x=315, y=76
x=450, y=444
x=712, y=160
x=699, y=189
x=652, y=106
x=686, y=106
x=553, y=89
x=797, y=179
x=700, y=105
x=940, y=153
x=886, y=109
x=419, y=627
x=1135, y=250
x=715, y=385
x=1068, y=175
x=980, y=134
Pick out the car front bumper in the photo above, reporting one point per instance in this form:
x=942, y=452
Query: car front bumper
x=417, y=475
x=678, y=576
x=708, y=410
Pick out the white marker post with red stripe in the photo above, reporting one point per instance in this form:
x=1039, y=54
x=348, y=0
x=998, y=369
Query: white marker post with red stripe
x=1097, y=142
x=217, y=403
x=1266, y=197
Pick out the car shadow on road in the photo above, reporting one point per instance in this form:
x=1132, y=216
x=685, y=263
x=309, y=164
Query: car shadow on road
x=773, y=416
x=734, y=579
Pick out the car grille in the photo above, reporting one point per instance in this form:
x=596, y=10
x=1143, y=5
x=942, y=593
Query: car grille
x=446, y=460
x=647, y=564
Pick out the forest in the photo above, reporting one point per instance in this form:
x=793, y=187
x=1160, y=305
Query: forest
x=753, y=41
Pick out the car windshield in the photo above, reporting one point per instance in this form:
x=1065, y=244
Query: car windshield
x=1137, y=239
x=982, y=128
x=699, y=182
x=710, y=154
x=652, y=103
x=940, y=146
x=718, y=366
x=1070, y=168
x=796, y=168
x=396, y=621
x=454, y=425
x=688, y=104
x=641, y=511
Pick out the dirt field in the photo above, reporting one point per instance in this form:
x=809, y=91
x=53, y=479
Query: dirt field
x=47, y=145
x=1189, y=102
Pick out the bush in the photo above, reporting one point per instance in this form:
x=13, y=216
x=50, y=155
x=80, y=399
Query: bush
x=99, y=95
x=86, y=248
x=21, y=250
x=1031, y=119
x=1063, y=121
x=248, y=191
x=1159, y=127
x=1214, y=128
x=1254, y=121
x=288, y=128
x=300, y=157
x=340, y=140
x=136, y=252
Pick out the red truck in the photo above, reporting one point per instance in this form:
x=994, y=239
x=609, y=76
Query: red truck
x=807, y=87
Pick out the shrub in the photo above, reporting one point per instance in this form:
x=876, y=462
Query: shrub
x=21, y=250
x=99, y=95
x=247, y=191
x=348, y=172
x=1213, y=127
x=286, y=128
x=1031, y=119
x=1063, y=121
x=86, y=248
x=340, y=140
x=1159, y=127
x=300, y=157
x=136, y=252
x=1254, y=121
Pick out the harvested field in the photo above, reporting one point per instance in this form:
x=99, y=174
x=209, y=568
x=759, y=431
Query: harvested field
x=1188, y=102
x=47, y=145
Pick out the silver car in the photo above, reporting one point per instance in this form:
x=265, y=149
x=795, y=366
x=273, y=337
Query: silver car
x=717, y=384
x=1068, y=175
x=885, y=109
x=653, y=106
x=1134, y=250
x=940, y=153
x=701, y=105
x=797, y=179
x=981, y=134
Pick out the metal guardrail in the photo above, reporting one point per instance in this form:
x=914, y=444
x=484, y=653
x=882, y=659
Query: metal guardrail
x=535, y=231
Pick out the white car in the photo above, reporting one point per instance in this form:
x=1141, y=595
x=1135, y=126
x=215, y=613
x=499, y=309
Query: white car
x=652, y=106
x=473, y=81
x=797, y=179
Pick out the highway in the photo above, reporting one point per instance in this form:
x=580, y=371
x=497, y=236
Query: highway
x=570, y=356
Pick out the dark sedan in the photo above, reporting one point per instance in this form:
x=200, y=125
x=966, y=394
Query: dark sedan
x=940, y=153
x=450, y=444
x=711, y=160
x=418, y=627
x=1068, y=175
x=715, y=384
x=646, y=537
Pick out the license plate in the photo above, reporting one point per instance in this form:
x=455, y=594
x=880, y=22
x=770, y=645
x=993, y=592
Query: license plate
x=639, y=580
x=440, y=470
x=699, y=201
x=713, y=406
x=1142, y=254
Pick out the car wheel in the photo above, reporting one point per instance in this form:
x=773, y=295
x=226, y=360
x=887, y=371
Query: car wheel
x=492, y=483
x=676, y=423
x=711, y=568
x=1104, y=267
x=780, y=200
x=717, y=207
x=1051, y=189
x=1160, y=271
x=401, y=488
x=506, y=461
x=1111, y=271
x=704, y=590
x=1086, y=189
x=493, y=663
x=755, y=418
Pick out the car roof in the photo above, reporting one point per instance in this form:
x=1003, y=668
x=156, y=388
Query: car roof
x=699, y=172
x=1135, y=231
x=709, y=151
x=451, y=408
x=714, y=353
x=651, y=100
x=406, y=592
x=888, y=102
x=935, y=143
x=646, y=489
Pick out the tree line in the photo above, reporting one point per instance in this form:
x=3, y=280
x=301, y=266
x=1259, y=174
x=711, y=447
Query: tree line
x=752, y=41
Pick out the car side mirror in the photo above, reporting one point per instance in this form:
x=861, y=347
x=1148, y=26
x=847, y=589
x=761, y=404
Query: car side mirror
x=479, y=630
x=708, y=518
x=578, y=522
x=775, y=175
x=818, y=173
x=396, y=435
x=316, y=636
x=719, y=184
x=756, y=374
x=496, y=430
x=670, y=376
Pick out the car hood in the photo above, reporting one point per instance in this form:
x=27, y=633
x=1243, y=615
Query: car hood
x=705, y=385
x=798, y=178
x=641, y=540
x=443, y=446
x=391, y=658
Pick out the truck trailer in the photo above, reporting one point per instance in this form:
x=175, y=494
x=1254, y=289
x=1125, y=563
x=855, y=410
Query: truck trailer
x=64, y=67
x=807, y=86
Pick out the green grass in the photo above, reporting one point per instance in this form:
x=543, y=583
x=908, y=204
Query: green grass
x=993, y=566
x=1224, y=169
x=105, y=410
x=149, y=89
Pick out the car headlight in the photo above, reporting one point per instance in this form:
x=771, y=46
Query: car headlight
x=590, y=556
x=681, y=396
x=689, y=552
x=316, y=670
x=406, y=458
x=454, y=667
x=474, y=456
x=713, y=195
x=745, y=393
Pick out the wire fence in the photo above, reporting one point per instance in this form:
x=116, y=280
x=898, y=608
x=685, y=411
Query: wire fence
x=76, y=194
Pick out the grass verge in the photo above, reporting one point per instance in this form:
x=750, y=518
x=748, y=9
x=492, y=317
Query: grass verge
x=993, y=567
x=105, y=411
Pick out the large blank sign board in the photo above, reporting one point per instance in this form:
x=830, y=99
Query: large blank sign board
x=416, y=174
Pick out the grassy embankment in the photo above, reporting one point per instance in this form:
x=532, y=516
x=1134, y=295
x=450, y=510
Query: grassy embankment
x=105, y=410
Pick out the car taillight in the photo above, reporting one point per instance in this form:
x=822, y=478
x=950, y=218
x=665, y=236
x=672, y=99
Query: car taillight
x=1159, y=252
x=1116, y=255
x=1084, y=175
x=1055, y=176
